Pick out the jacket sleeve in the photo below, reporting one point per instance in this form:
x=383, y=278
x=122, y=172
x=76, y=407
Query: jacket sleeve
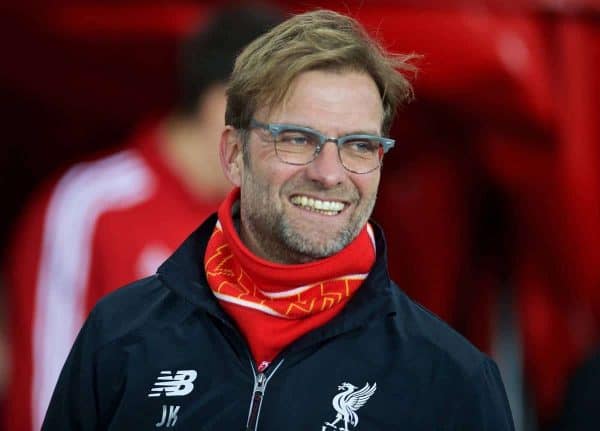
x=582, y=399
x=484, y=406
x=92, y=380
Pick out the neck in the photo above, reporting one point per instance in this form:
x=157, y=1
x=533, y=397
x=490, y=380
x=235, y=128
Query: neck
x=190, y=149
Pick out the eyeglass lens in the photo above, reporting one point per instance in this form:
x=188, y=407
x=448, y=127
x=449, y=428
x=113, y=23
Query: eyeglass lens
x=299, y=147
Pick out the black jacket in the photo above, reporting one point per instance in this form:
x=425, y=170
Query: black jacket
x=582, y=398
x=161, y=353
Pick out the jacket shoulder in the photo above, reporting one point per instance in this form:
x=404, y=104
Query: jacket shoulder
x=439, y=352
x=144, y=305
x=429, y=334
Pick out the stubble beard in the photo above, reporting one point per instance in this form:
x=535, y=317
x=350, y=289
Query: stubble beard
x=280, y=240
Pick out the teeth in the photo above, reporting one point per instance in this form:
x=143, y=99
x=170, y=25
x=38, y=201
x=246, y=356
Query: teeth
x=322, y=207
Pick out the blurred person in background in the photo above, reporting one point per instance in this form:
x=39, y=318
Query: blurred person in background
x=112, y=220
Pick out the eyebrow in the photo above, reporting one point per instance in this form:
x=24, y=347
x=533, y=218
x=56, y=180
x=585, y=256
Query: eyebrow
x=354, y=132
x=362, y=132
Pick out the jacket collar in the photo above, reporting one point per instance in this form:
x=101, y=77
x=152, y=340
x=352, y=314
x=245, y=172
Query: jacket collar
x=183, y=273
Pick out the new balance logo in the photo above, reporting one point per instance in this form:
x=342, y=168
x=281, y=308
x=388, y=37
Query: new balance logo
x=176, y=385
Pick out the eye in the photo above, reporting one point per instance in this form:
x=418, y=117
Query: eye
x=295, y=138
x=362, y=146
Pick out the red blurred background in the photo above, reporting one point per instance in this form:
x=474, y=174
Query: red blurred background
x=490, y=200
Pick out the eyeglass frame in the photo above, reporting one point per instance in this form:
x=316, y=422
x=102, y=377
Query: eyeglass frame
x=276, y=128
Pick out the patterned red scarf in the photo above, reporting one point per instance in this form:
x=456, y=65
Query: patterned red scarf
x=274, y=304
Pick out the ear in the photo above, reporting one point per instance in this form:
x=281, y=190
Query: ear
x=231, y=155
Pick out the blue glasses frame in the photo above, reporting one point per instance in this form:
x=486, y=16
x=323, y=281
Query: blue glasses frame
x=276, y=128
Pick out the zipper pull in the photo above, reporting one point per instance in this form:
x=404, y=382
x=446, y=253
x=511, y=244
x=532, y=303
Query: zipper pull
x=259, y=389
x=260, y=384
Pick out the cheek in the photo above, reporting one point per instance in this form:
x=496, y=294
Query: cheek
x=283, y=177
x=367, y=185
x=262, y=181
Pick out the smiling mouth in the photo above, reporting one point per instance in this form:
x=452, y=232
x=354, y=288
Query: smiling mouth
x=324, y=207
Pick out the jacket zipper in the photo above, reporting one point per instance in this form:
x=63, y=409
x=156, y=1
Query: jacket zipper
x=260, y=384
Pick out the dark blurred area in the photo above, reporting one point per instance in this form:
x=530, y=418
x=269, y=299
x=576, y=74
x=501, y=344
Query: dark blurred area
x=490, y=199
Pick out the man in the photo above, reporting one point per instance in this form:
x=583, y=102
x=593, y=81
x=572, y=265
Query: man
x=112, y=220
x=278, y=313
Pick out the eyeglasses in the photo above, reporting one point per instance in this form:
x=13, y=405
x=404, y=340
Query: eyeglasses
x=299, y=145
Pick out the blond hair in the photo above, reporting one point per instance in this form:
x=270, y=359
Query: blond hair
x=316, y=40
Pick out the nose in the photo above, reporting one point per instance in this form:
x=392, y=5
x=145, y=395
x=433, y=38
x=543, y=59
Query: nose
x=327, y=168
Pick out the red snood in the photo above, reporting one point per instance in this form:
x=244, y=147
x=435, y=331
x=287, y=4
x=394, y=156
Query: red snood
x=275, y=304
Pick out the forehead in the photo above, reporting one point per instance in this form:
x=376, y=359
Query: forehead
x=334, y=102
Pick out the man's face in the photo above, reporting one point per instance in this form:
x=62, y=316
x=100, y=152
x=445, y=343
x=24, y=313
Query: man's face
x=279, y=220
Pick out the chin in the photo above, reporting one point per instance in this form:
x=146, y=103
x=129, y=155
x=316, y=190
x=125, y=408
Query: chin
x=316, y=249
